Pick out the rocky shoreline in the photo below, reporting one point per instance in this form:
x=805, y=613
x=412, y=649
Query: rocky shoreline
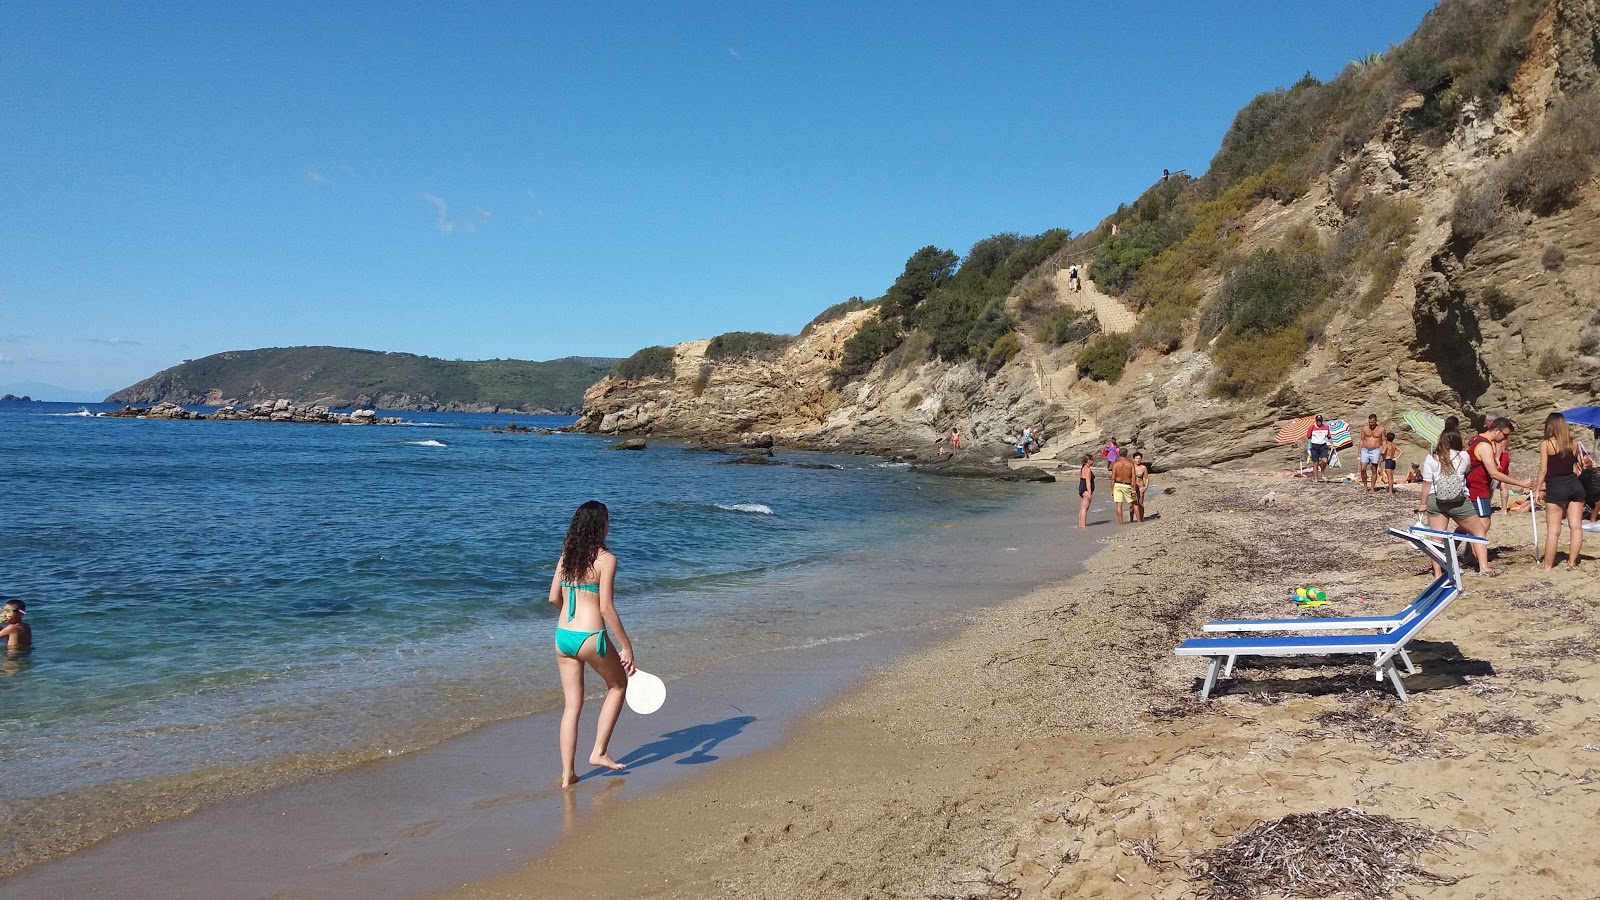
x=266, y=411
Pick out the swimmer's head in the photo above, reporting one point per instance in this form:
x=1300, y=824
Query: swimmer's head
x=12, y=610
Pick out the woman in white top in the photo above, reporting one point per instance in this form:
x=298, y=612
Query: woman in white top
x=1449, y=461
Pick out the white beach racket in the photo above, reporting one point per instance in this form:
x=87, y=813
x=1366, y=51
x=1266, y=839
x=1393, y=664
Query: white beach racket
x=646, y=692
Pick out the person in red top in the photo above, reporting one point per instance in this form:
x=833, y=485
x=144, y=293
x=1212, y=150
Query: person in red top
x=1319, y=442
x=1486, y=468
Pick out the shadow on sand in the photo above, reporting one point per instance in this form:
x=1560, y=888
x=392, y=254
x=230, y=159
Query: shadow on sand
x=693, y=745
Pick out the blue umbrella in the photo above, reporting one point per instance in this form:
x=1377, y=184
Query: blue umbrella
x=1583, y=415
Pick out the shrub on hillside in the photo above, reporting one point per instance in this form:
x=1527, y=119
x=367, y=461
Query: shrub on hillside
x=736, y=344
x=1161, y=328
x=1067, y=325
x=1553, y=258
x=863, y=350
x=1001, y=351
x=1104, y=358
x=1497, y=302
x=916, y=349
x=651, y=362
x=1545, y=175
x=925, y=271
x=1252, y=364
x=1476, y=213
x=1268, y=292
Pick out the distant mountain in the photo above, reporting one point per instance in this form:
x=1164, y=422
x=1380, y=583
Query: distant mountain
x=345, y=377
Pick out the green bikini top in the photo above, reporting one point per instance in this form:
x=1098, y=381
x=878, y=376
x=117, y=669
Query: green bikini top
x=572, y=595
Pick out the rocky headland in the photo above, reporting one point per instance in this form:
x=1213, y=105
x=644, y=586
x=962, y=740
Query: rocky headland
x=1447, y=283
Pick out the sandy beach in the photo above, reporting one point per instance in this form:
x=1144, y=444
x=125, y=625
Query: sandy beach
x=1057, y=748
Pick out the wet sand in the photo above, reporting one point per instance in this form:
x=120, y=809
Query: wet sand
x=1056, y=748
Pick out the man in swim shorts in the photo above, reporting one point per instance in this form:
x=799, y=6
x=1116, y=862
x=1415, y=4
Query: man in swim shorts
x=1487, y=466
x=1319, y=443
x=1122, y=474
x=1371, y=453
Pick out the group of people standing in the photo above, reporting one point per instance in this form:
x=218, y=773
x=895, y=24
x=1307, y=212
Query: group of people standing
x=1130, y=478
x=1458, y=479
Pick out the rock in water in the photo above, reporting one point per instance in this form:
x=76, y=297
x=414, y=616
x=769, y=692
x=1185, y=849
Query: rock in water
x=629, y=444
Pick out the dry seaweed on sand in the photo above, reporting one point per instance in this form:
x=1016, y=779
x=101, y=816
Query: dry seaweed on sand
x=1338, y=851
x=1375, y=718
x=993, y=889
x=1539, y=673
x=1488, y=723
x=1573, y=646
x=1149, y=850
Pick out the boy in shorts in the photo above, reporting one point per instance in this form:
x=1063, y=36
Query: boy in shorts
x=1391, y=454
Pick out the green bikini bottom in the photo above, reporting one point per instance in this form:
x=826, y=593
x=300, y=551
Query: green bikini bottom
x=569, y=642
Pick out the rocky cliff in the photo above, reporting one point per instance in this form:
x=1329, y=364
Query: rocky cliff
x=1500, y=318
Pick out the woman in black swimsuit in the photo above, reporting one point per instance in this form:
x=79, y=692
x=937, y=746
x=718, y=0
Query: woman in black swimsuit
x=1085, y=489
x=1563, y=492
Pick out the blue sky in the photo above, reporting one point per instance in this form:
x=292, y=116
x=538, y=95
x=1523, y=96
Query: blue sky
x=536, y=180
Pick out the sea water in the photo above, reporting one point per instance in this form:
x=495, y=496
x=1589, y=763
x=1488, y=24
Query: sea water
x=233, y=593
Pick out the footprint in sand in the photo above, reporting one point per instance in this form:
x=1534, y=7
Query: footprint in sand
x=362, y=860
x=421, y=829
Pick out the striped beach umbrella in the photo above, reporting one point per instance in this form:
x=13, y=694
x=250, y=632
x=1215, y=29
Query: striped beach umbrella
x=1293, y=431
x=1426, y=425
x=1339, y=434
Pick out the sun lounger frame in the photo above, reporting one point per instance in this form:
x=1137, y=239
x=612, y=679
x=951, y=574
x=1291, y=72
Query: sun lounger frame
x=1222, y=653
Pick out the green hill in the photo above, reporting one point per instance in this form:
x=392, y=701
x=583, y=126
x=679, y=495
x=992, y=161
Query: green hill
x=345, y=377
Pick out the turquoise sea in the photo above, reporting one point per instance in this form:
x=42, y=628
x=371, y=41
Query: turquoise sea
x=234, y=594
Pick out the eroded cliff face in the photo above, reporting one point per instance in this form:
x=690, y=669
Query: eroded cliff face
x=1439, y=339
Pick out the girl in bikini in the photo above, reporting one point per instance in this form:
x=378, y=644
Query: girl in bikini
x=588, y=630
x=1085, y=489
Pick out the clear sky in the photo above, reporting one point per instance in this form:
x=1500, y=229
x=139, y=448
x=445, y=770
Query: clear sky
x=537, y=179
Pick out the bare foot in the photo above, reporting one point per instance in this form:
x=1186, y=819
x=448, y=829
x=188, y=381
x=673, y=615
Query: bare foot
x=605, y=761
x=568, y=780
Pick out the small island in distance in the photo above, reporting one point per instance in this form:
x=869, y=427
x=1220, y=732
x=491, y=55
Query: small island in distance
x=343, y=377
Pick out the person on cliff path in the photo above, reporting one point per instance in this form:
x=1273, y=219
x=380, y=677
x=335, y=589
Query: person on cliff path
x=1485, y=466
x=1073, y=279
x=1085, y=489
x=1141, y=483
x=589, y=632
x=1318, y=444
x=1122, y=486
x=1371, y=453
x=1391, y=456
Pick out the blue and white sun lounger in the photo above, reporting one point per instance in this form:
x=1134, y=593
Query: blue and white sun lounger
x=1384, y=647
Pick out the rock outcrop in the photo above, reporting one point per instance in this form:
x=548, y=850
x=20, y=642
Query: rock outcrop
x=267, y=411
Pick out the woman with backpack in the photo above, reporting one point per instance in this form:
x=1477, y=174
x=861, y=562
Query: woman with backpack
x=1444, y=495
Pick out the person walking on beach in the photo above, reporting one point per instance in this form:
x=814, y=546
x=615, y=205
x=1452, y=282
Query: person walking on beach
x=1085, y=489
x=1391, y=456
x=1444, y=495
x=1141, y=483
x=1563, y=492
x=1319, y=444
x=1371, y=453
x=589, y=631
x=1122, y=486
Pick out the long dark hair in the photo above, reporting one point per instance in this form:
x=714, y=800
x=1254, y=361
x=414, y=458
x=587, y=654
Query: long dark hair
x=1449, y=440
x=586, y=537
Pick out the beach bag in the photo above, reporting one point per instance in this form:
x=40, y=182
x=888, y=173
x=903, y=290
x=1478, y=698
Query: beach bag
x=1450, y=487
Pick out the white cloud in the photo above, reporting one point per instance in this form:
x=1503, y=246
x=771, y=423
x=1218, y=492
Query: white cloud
x=116, y=341
x=315, y=176
x=6, y=360
x=448, y=225
x=735, y=54
x=12, y=338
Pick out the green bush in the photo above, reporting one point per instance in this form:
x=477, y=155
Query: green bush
x=1067, y=325
x=863, y=350
x=1001, y=351
x=1268, y=292
x=1104, y=357
x=736, y=344
x=925, y=271
x=915, y=350
x=837, y=311
x=1250, y=365
x=651, y=362
x=1497, y=302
